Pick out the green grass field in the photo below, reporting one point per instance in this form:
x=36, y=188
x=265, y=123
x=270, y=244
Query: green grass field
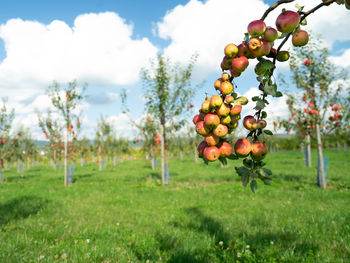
x=204, y=215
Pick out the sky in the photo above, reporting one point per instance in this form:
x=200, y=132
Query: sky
x=106, y=43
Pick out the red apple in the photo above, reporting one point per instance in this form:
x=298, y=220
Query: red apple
x=262, y=124
x=226, y=63
x=287, y=21
x=270, y=34
x=256, y=28
x=254, y=44
x=211, y=153
x=226, y=120
x=236, y=109
x=225, y=149
x=212, y=140
x=205, y=106
x=242, y=147
x=259, y=151
x=211, y=120
x=201, y=129
x=248, y=122
x=201, y=147
x=300, y=38
x=195, y=119
x=221, y=130
x=243, y=50
x=229, y=99
x=239, y=64
x=225, y=76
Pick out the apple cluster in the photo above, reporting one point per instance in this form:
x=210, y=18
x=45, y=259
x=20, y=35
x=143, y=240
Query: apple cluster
x=218, y=117
x=335, y=119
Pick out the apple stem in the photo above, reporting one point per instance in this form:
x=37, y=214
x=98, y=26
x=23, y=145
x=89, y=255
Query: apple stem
x=273, y=7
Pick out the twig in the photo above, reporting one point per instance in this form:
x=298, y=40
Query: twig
x=273, y=7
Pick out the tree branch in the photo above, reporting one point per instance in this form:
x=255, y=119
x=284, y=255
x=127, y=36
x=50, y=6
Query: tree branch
x=273, y=7
x=324, y=3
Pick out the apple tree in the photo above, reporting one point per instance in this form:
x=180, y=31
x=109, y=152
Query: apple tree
x=6, y=118
x=168, y=91
x=66, y=100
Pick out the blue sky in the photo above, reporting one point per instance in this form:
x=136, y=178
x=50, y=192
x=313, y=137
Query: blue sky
x=174, y=28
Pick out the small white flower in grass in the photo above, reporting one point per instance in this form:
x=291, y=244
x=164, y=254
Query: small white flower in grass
x=117, y=249
x=117, y=223
x=76, y=241
x=147, y=261
x=56, y=256
x=247, y=246
x=64, y=256
x=221, y=243
x=88, y=255
x=246, y=251
x=238, y=255
x=87, y=240
x=41, y=257
x=101, y=255
x=271, y=242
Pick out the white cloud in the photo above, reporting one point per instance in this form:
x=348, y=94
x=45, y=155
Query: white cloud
x=343, y=60
x=122, y=125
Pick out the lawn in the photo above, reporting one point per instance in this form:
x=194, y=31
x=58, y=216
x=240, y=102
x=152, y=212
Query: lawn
x=122, y=214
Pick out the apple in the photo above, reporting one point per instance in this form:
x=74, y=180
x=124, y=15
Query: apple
x=217, y=84
x=205, y=106
x=234, y=74
x=259, y=151
x=225, y=76
x=254, y=44
x=242, y=147
x=248, y=122
x=195, y=119
x=270, y=34
x=300, y=38
x=243, y=50
x=224, y=110
x=226, y=88
x=233, y=124
x=229, y=99
x=212, y=140
x=225, y=149
x=200, y=148
x=239, y=64
x=307, y=62
x=201, y=129
x=282, y=56
x=211, y=120
x=287, y=21
x=226, y=63
x=231, y=50
x=236, y=109
x=215, y=101
x=266, y=47
x=226, y=120
x=211, y=153
x=262, y=124
x=221, y=130
x=241, y=100
x=256, y=28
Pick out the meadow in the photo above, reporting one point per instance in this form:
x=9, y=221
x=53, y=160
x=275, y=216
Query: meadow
x=123, y=214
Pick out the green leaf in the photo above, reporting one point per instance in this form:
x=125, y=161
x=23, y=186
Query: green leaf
x=253, y=186
x=278, y=94
x=255, y=98
x=245, y=180
x=263, y=114
x=232, y=157
x=267, y=171
x=263, y=172
x=223, y=160
x=246, y=37
x=248, y=163
x=242, y=171
x=268, y=132
x=267, y=181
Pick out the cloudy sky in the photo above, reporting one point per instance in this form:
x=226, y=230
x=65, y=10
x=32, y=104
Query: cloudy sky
x=105, y=43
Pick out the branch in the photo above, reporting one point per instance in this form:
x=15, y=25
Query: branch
x=273, y=7
x=324, y=3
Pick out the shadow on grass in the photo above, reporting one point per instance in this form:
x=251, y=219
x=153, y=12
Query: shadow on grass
x=21, y=178
x=21, y=207
x=259, y=236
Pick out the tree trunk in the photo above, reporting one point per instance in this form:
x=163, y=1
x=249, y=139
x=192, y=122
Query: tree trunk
x=66, y=158
x=320, y=168
x=162, y=153
x=308, y=150
x=1, y=166
x=195, y=154
x=99, y=158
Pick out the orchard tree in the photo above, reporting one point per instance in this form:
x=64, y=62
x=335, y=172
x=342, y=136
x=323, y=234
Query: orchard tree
x=168, y=91
x=219, y=114
x=6, y=118
x=52, y=130
x=66, y=100
x=102, y=141
x=148, y=129
x=321, y=83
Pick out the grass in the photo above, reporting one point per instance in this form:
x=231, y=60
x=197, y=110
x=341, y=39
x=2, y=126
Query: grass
x=204, y=215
